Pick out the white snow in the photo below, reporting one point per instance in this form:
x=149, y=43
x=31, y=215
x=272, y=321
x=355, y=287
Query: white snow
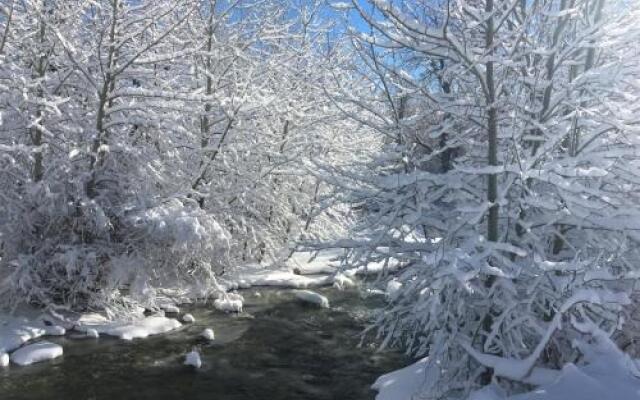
x=92, y=333
x=402, y=384
x=341, y=281
x=188, y=319
x=229, y=302
x=255, y=275
x=15, y=331
x=4, y=360
x=36, y=352
x=312, y=297
x=608, y=374
x=208, y=334
x=193, y=359
x=55, y=330
x=393, y=288
x=129, y=330
x=170, y=308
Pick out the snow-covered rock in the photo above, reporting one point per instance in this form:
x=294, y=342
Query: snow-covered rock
x=193, y=359
x=229, y=302
x=15, y=331
x=312, y=297
x=55, y=330
x=208, y=334
x=129, y=330
x=188, y=319
x=4, y=360
x=92, y=333
x=36, y=352
x=170, y=308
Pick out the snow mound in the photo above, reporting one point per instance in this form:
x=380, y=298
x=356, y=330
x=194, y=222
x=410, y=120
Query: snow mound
x=229, y=302
x=170, y=308
x=256, y=275
x=14, y=332
x=305, y=263
x=608, y=374
x=4, y=360
x=36, y=352
x=402, y=384
x=92, y=333
x=130, y=330
x=55, y=330
x=312, y=297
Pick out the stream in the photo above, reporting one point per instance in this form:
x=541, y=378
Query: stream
x=278, y=348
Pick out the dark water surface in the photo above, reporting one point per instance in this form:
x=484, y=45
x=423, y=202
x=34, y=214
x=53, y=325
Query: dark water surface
x=278, y=349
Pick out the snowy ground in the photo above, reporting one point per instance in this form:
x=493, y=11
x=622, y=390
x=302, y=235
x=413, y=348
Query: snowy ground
x=607, y=373
x=21, y=334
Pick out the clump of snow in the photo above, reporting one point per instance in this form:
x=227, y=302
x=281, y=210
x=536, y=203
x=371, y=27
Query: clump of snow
x=55, y=330
x=188, y=319
x=36, y=352
x=229, y=302
x=341, y=281
x=4, y=360
x=312, y=297
x=170, y=308
x=92, y=333
x=193, y=359
x=393, y=289
x=208, y=334
x=129, y=330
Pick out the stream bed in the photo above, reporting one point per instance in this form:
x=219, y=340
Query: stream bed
x=278, y=348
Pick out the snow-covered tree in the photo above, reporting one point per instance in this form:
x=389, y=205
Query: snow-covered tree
x=506, y=188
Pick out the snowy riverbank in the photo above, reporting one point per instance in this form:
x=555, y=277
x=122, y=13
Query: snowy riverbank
x=607, y=373
x=27, y=326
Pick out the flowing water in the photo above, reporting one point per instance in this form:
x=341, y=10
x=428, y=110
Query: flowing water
x=278, y=349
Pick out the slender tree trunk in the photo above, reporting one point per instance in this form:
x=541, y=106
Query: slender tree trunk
x=103, y=100
x=492, y=130
x=36, y=131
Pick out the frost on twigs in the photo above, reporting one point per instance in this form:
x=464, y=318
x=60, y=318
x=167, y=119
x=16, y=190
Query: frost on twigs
x=91, y=253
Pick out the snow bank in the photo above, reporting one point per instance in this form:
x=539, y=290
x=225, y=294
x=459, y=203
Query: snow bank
x=312, y=297
x=129, y=330
x=36, y=352
x=608, y=374
x=402, y=384
x=304, y=263
x=16, y=331
x=256, y=275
